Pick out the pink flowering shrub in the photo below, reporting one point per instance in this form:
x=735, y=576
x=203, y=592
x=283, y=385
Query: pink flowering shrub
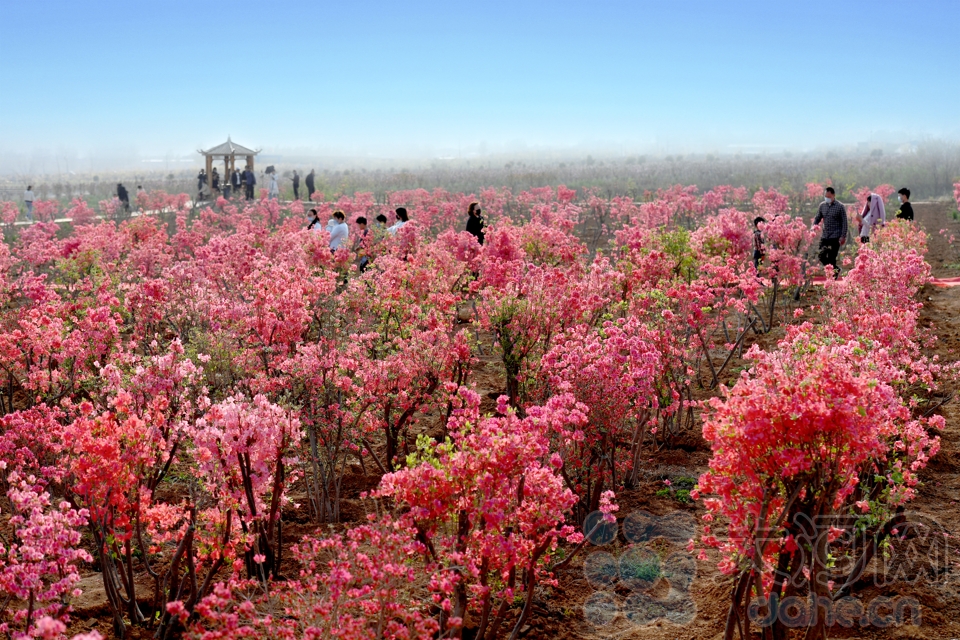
x=822, y=427
x=616, y=373
x=361, y=584
x=244, y=451
x=39, y=564
x=9, y=212
x=488, y=506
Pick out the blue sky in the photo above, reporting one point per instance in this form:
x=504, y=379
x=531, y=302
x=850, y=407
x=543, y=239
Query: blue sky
x=412, y=78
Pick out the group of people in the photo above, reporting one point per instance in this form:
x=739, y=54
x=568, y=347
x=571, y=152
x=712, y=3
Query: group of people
x=245, y=180
x=835, y=227
x=340, y=232
x=310, y=182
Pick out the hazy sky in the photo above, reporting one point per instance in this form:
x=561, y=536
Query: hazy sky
x=415, y=78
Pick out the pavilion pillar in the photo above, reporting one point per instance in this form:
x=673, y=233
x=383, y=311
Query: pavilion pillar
x=250, y=162
x=210, y=173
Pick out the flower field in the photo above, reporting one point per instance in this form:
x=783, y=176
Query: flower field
x=244, y=435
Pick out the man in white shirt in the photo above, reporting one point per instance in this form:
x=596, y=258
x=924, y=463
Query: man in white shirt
x=339, y=231
x=28, y=200
x=402, y=219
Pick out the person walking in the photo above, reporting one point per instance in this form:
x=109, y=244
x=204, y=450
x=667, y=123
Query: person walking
x=475, y=222
x=250, y=181
x=28, y=199
x=402, y=219
x=123, y=197
x=296, y=185
x=905, y=212
x=274, y=189
x=834, y=217
x=310, y=184
x=339, y=231
x=873, y=214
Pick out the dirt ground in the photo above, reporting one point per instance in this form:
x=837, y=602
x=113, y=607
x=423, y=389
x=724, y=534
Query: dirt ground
x=581, y=607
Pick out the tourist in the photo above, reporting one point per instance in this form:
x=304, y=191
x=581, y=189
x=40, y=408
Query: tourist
x=361, y=244
x=402, y=219
x=905, y=212
x=140, y=190
x=315, y=221
x=296, y=185
x=758, y=248
x=873, y=214
x=249, y=180
x=201, y=180
x=274, y=190
x=475, y=222
x=28, y=201
x=123, y=196
x=834, y=217
x=309, y=182
x=339, y=231
x=215, y=181
x=235, y=181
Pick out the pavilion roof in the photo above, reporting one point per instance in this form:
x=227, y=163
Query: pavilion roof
x=229, y=148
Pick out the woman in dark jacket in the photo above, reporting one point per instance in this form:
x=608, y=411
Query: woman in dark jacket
x=475, y=222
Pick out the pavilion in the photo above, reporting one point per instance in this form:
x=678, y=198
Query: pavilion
x=229, y=151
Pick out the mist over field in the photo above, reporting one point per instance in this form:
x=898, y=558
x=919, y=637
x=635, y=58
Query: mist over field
x=929, y=168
